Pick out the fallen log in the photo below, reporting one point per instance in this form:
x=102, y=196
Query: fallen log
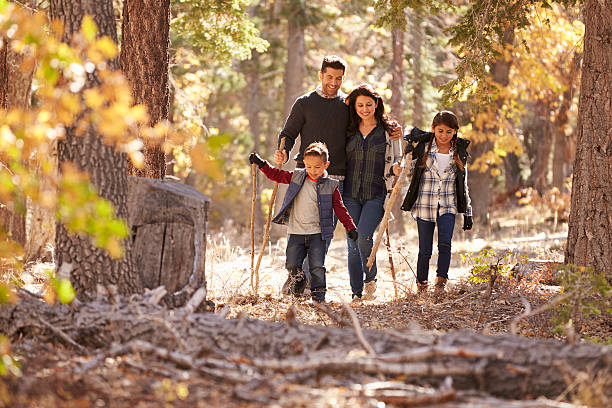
x=504, y=366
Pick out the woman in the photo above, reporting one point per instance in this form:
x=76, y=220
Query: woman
x=371, y=155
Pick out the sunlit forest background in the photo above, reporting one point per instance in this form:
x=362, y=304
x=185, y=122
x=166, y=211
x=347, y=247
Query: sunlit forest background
x=521, y=119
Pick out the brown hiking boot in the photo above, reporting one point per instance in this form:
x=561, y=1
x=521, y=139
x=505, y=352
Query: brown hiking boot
x=422, y=288
x=439, y=287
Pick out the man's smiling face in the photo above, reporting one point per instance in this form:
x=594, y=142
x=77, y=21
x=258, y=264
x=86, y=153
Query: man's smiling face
x=331, y=80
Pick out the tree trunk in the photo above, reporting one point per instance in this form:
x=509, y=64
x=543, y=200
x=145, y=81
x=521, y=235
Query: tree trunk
x=562, y=141
x=512, y=172
x=542, y=139
x=246, y=349
x=144, y=61
x=107, y=168
x=480, y=184
x=15, y=84
x=294, y=87
x=418, y=36
x=397, y=111
x=252, y=76
x=590, y=220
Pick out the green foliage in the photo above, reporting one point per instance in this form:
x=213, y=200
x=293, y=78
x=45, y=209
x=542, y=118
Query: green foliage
x=477, y=37
x=587, y=293
x=391, y=13
x=489, y=265
x=219, y=28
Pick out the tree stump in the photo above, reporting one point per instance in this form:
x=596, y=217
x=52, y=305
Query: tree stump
x=168, y=222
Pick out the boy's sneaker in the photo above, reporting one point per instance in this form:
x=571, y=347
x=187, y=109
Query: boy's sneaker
x=294, y=279
x=356, y=299
x=318, y=296
x=301, y=284
x=369, y=289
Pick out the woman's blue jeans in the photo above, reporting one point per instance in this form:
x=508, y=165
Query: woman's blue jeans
x=366, y=215
x=446, y=225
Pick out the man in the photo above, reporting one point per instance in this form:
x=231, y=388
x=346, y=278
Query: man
x=321, y=116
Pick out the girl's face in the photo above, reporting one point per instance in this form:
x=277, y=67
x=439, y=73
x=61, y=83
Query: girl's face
x=365, y=107
x=315, y=166
x=443, y=134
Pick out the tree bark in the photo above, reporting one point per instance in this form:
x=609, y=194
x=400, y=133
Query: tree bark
x=562, y=145
x=418, y=35
x=542, y=140
x=294, y=87
x=107, y=169
x=253, y=101
x=144, y=61
x=15, y=86
x=590, y=220
x=480, y=183
x=397, y=111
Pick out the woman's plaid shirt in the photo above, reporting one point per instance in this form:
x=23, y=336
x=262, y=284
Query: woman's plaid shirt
x=438, y=188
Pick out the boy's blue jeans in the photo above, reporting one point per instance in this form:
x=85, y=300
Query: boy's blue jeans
x=305, y=266
x=446, y=225
x=366, y=215
x=315, y=247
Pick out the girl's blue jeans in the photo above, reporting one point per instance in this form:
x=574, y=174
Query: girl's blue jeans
x=366, y=215
x=446, y=225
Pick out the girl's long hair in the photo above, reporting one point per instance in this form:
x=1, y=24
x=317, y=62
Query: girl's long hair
x=449, y=119
x=379, y=113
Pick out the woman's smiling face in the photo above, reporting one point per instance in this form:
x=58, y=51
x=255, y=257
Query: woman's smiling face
x=365, y=107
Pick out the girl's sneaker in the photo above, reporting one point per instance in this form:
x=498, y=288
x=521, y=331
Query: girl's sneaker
x=356, y=299
x=369, y=289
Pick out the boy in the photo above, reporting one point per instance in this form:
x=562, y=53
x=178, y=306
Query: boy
x=307, y=210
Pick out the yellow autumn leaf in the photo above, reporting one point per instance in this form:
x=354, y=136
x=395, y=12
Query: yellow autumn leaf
x=107, y=47
x=93, y=98
x=89, y=29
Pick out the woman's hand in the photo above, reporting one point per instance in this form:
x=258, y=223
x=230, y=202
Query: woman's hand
x=397, y=169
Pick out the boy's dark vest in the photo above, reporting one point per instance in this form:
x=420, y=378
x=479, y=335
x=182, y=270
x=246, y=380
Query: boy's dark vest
x=417, y=175
x=325, y=190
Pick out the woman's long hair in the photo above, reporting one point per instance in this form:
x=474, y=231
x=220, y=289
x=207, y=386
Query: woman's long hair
x=379, y=113
x=449, y=119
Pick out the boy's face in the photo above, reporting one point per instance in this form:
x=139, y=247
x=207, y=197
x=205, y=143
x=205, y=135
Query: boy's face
x=315, y=166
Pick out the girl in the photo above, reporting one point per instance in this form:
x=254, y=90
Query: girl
x=370, y=153
x=437, y=192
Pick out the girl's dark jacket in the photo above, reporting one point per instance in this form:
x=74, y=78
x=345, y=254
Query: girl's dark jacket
x=422, y=139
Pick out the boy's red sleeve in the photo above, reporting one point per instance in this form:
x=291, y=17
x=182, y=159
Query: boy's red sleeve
x=278, y=175
x=341, y=211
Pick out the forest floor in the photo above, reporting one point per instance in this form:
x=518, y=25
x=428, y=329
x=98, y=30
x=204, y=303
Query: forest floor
x=518, y=234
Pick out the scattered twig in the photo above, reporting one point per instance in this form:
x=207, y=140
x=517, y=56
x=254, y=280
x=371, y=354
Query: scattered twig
x=539, y=310
x=61, y=334
x=357, y=328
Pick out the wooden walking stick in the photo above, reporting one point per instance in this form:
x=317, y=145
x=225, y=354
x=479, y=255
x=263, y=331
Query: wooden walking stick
x=385, y=219
x=253, y=196
x=388, y=243
x=267, y=230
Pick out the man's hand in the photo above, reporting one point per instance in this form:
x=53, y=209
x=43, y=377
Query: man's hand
x=280, y=157
x=396, y=130
x=467, y=222
x=352, y=234
x=255, y=159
